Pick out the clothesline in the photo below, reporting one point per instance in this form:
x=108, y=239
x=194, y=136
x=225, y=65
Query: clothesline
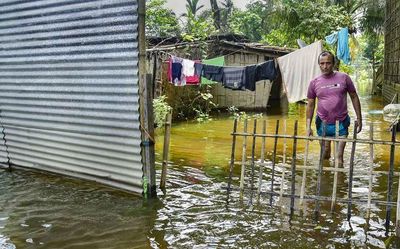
x=183, y=72
x=297, y=69
x=162, y=51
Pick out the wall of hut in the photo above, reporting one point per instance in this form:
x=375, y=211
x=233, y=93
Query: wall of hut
x=252, y=100
x=391, y=85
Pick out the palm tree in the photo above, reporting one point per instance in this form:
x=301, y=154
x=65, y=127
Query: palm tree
x=191, y=6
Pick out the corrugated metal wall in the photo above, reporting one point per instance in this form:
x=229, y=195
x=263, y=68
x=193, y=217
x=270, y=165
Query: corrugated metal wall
x=391, y=70
x=69, y=88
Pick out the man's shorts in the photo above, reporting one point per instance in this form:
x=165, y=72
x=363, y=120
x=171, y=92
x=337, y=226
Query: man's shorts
x=331, y=129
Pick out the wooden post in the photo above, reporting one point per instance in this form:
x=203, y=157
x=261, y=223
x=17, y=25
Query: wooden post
x=321, y=161
x=293, y=190
x=371, y=168
x=351, y=168
x=264, y=131
x=390, y=180
x=284, y=142
x=167, y=135
x=273, y=162
x=253, y=148
x=335, y=175
x=146, y=110
x=232, y=156
x=243, y=169
x=147, y=128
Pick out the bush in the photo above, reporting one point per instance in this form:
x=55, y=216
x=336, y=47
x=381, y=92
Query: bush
x=160, y=109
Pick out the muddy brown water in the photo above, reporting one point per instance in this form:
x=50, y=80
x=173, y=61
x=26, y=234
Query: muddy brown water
x=45, y=211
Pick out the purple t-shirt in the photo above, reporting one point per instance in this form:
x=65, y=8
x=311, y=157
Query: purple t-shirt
x=331, y=92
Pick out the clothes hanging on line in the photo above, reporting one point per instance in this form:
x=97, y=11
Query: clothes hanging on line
x=263, y=71
x=343, y=51
x=212, y=73
x=340, y=37
x=183, y=72
x=217, y=61
x=189, y=76
x=298, y=68
x=232, y=78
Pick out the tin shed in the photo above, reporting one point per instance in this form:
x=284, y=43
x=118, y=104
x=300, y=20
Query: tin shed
x=69, y=89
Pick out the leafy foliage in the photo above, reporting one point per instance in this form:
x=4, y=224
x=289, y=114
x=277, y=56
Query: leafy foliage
x=202, y=105
x=246, y=23
x=307, y=20
x=161, y=109
x=160, y=21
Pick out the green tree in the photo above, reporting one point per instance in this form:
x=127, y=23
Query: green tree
x=216, y=13
x=307, y=20
x=372, y=25
x=160, y=21
x=246, y=23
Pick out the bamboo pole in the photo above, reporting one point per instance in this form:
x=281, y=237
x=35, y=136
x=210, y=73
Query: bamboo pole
x=304, y=179
x=244, y=148
x=398, y=211
x=284, y=142
x=390, y=179
x=371, y=168
x=335, y=175
x=232, y=156
x=253, y=148
x=311, y=138
x=273, y=162
x=371, y=145
x=293, y=190
x=320, y=169
x=167, y=135
x=282, y=183
x=351, y=168
x=262, y=159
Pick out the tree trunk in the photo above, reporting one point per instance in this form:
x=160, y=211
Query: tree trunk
x=216, y=13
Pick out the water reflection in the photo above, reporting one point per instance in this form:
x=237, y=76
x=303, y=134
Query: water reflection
x=242, y=225
x=39, y=211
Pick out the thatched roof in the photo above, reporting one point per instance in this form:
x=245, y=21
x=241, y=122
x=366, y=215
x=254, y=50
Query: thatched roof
x=227, y=43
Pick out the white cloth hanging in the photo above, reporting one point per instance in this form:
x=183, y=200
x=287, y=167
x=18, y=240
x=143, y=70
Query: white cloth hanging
x=298, y=68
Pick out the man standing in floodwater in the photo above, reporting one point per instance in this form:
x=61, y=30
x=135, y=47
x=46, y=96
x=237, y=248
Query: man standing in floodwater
x=331, y=88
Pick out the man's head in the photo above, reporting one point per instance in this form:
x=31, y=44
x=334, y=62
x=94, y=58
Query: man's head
x=326, y=61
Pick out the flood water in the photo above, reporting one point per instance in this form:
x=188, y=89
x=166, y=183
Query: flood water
x=44, y=211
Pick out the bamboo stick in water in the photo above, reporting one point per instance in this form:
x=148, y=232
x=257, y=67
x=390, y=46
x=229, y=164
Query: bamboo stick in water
x=253, y=148
x=293, y=190
x=262, y=159
x=273, y=162
x=232, y=156
x=335, y=175
x=244, y=148
x=351, y=168
x=371, y=168
x=390, y=180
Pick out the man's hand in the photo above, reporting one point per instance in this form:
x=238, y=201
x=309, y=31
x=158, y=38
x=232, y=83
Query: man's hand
x=358, y=124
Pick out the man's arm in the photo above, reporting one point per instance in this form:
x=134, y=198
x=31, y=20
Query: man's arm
x=309, y=115
x=357, y=108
